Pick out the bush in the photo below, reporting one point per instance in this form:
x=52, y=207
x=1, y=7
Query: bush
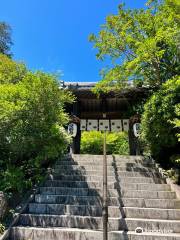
x=176, y=121
x=13, y=179
x=2, y=228
x=92, y=143
x=31, y=125
x=158, y=130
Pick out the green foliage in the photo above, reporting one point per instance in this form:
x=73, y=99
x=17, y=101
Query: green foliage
x=13, y=179
x=142, y=44
x=92, y=143
x=2, y=228
x=176, y=121
x=31, y=124
x=159, y=112
x=5, y=38
x=175, y=159
x=10, y=71
x=174, y=171
x=173, y=174
x=117, y=143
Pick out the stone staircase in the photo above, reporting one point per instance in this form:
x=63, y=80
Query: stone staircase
x=69, y=205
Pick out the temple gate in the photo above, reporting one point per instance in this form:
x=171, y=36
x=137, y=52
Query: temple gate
x=111, y=111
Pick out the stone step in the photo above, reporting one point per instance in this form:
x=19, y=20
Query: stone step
x=111, y=192
x=97, y=200
x=99, y=161
x=69, y=205
x=92, y=166
x=87, y=222
x=123, y=186
x=110, y=172
x=34, y=233
x=95, y=211
x=148, y=194
x=144, y=186
x=145, y=236
x=78, y=184
x=76, y=191
x=151, y=203
x=113, y=158
x=80, y=178
x=152, y=225
x=99, y=177
x=79, y=210
x=113, y=201
x=97, y=156
x=98, y=184
x=73, y=200
x=151, y=213
x=38, y=233
x=45, y=220
x=98, y=191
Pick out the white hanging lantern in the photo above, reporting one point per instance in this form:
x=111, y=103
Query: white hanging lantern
x=104, y=125
x=83, y=125
x=116, y=125
x=92, y=124
x=136, y=129
x=126, y=125
x=72, y=129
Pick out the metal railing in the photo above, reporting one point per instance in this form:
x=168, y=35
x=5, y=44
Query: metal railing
x=105, y=198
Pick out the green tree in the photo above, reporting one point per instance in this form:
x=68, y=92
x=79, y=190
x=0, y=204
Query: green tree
x=142, y=44
x=176, y=121
x=31, y=112
x=32, y=120
x=11, y=71
x=158, y=131
x=5, y=38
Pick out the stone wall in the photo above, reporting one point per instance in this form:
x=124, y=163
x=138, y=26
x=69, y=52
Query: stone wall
x=3, y=205
x=174, y=187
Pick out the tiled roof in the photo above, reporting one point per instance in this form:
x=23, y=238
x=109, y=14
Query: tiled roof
x=78, y=85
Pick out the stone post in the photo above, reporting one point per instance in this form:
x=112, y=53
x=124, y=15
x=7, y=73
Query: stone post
x=3, y=205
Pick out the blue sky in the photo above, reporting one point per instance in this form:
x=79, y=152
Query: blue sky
x=53, y=35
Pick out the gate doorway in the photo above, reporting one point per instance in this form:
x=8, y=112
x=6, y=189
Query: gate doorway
x=110, y=112
x=116, y=143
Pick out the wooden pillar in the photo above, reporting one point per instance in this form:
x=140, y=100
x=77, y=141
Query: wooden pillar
x=76, y=140
x=104, y=104
x=133, y=141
